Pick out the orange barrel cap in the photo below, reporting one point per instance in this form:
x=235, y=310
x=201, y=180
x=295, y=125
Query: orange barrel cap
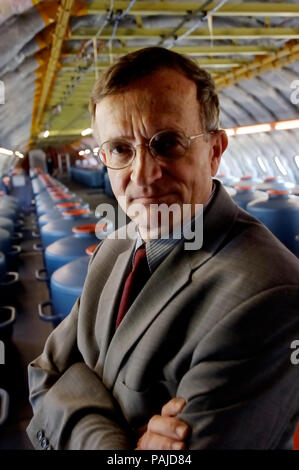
x=76, y=212
x=67, y=204
x=243, y=188
x=246, y=177
x=90, y=249
x=270, y=178
x=61, y=196
x=54, y=188
x=87, y=228
x=278, y=192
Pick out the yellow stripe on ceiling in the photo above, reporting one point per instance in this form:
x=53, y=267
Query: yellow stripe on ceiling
x=63, y=16
x=97, y=7
x=84, y=33
x=203, y=50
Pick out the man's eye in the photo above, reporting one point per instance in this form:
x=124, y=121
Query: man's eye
x=121, y=149
x=165, y=144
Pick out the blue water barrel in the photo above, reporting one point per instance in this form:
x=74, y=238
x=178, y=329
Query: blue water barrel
x=247, y=180
x=7, y=203
x=46, y=199
x=231, y=191
x=61, y=228
x=66, y=285
x=7, y=279
x=49, y=217
x=226, y=180
x=8, y=213
x=2, y=266
x=93, y=178
x=5, y=241
x=46, y=206
x=45, y=195
x=37, y=187
x=7, y=224
x=68, y=249
x=11, y=205
x=10, y=200
x=56, y=213
x=280, y=213
x=7, y=208
x=246, y=194
x=275, y=182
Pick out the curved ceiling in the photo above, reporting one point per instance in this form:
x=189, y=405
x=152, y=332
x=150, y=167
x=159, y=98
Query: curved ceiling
x=51, y=52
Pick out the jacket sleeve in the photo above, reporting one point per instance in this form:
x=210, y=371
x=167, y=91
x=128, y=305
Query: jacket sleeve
x=72, y=408
x=242, y=389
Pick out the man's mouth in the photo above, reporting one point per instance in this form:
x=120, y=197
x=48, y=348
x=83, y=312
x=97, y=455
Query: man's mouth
x=150, y=197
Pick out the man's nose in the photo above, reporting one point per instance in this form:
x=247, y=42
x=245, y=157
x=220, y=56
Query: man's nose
x=145, y=168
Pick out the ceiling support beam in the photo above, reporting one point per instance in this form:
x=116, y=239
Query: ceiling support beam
x=288, y=54
x=64, y=13
x=73, y=68
x=99, y=7
x=202, y=50
x=204, y=34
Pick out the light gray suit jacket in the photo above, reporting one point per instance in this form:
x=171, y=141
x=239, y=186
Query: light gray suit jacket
x=214, y=326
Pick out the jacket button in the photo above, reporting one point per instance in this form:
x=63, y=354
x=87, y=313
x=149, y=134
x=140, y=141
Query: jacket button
x=44, y=443
x=40, y=435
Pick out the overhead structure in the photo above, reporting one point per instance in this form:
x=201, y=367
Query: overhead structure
x=63, y=16
x=58, y=48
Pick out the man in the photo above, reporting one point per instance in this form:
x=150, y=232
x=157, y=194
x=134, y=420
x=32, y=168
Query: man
x=199, y=358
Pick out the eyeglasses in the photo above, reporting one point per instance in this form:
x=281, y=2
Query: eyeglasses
x=164, y=145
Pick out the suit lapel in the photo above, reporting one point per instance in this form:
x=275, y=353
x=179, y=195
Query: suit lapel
x=109, y=300
x=160, y=288
x=218, y=220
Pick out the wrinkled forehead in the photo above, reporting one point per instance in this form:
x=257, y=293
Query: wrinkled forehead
x=165, y=92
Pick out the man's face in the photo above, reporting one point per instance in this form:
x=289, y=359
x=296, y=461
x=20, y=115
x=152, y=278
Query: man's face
x=164, y=100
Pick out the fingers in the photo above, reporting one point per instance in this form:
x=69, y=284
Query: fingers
x=153, y=441
x=168, y=426
x=173, y=407
x=165, y=431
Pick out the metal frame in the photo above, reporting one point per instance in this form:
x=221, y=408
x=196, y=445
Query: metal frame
x=60, y=80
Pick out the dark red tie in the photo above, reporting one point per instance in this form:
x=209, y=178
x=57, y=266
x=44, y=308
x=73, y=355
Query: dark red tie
x=135, y=281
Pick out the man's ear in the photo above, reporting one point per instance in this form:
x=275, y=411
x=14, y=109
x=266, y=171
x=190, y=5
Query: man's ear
x=219, y=142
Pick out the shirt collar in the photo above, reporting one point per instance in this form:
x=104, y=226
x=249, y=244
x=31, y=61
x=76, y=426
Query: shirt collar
x=158, y=249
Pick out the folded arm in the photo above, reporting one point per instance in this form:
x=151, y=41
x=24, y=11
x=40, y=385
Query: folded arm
x=72, y=408
x=242, y=392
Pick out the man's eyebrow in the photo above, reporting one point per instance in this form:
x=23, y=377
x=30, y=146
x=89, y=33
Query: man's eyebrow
x=120, y=137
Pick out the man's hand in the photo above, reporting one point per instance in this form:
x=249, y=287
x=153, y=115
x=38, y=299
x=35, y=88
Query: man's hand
x=165, y=431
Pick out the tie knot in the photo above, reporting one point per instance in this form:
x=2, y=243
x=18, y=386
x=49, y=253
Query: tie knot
x=140, y=255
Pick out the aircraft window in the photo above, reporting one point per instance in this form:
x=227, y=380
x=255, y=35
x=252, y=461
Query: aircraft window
x=297, y=160
x=280, y=166
x=6, y=151
x=262, y=164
